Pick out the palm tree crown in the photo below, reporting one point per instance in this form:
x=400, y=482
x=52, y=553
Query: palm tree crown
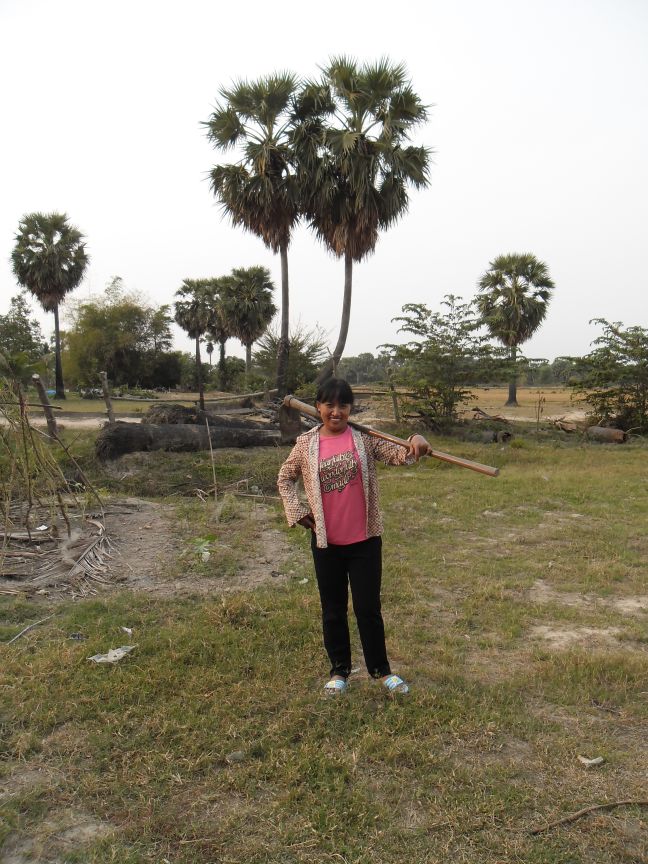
x=195, y=312
x=260, y=191
x=352, y=148
x=513, y=297
x=49, y=258
x=355, y=163
x=249, y=308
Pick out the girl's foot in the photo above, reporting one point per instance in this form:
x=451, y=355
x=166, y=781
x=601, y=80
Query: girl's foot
x=395, y=684
x=336, y=686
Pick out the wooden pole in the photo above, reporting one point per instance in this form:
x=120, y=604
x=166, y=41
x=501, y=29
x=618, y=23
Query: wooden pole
x=291, y=402
x=47, y=408
x=392, y=390
x=106, y=395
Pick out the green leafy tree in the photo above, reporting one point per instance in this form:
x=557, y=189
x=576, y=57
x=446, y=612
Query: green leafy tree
x=613, y=378
x=247, y=300
x=513, y=297
x=159, y=328
x=307, y=353
x=355, y=162
x=49, y=259
x=121, y=334
x=363, y=369
x=19, y=333
x=260, y=192
x=195, y=313
x=447, y=358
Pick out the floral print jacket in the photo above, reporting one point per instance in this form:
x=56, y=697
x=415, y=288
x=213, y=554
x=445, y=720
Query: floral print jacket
x=303, y=462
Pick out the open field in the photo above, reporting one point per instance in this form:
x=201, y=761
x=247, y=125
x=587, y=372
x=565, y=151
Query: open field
x=517, y=607
x=91, y=413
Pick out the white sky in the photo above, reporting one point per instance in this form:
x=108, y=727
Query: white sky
x=539, y=127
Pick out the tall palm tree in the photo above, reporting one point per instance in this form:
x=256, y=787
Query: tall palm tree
x=513, y=297
x=49, y=258
x=355, y=164
x=221, y=328
x=260, y=192
x=247, y=297
x=194, y=312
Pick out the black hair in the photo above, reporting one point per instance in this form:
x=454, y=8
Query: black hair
x=335, y=390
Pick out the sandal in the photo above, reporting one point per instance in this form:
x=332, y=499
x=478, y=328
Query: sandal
x=336, y=686
x=395, y=684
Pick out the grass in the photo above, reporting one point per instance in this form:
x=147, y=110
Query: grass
x=211, y=742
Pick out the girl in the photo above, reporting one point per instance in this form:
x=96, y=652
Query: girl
x=337, y=465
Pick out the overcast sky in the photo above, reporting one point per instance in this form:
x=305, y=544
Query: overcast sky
x=539, y=128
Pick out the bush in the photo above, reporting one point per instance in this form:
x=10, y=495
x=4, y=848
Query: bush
x=613, y=378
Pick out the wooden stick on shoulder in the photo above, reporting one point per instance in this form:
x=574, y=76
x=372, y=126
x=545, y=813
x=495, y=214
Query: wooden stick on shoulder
x=292, y=402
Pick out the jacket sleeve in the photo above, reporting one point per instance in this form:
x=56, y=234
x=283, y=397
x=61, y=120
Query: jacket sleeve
x=390, y=454
x=289, y=474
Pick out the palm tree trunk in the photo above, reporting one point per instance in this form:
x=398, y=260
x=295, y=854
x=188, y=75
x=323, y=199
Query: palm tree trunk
x=201, y=395
x=330, y=367
x=512, y=397
x=221, y=366
x=284, y=343
x=248, y=362
x=60, y=389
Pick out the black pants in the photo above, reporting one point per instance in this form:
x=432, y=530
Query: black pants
x=361, y=565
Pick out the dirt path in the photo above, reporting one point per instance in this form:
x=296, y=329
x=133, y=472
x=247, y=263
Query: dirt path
x=147, y=546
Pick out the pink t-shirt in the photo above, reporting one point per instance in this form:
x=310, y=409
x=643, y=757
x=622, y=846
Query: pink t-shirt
x=345, y=511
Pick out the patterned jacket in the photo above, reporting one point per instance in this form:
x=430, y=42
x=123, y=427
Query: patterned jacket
x=304, y=461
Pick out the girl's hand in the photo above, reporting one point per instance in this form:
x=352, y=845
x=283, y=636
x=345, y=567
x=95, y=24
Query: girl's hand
x=307, y=522
x=419, y=446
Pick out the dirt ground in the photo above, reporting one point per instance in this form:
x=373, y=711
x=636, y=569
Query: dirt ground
x=145, y=544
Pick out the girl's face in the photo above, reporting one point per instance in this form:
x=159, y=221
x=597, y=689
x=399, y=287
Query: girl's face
x=335, y=416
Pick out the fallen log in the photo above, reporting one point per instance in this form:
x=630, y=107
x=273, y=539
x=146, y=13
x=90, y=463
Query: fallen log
x=606, y=434
x=564, y=425
x=181, y=414
x=478, y=414
x=116, y=439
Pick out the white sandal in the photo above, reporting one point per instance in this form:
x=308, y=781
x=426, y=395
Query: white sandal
x=395, y=684
x=336, y=686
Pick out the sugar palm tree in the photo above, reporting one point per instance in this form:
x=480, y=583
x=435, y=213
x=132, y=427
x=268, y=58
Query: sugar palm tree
x=195, y=313
x=513, y=297
x=247, y=298
x=49, y=258
x=259, y=192
x=355, y=164
x=221, y=328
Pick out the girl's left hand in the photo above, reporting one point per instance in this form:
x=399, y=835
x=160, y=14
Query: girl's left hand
x=419, y=446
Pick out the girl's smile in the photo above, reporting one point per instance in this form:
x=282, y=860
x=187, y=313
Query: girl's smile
x=335, y=417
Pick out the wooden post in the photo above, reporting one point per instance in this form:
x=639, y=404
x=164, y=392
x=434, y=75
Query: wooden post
x=106, y=395
x=47, y=408
x=394, y=397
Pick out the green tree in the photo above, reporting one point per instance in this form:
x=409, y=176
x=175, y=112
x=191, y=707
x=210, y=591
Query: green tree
x=159, y=326
x=247, y=300
x=448, y=357
x=121, y=334
x=364, y=368
x=307, y=353
x=355, y=163
x=513, y=297
x=260, y=191
x=20, y=334
x=195, y=313
x=49, y=259
x=613, y=378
